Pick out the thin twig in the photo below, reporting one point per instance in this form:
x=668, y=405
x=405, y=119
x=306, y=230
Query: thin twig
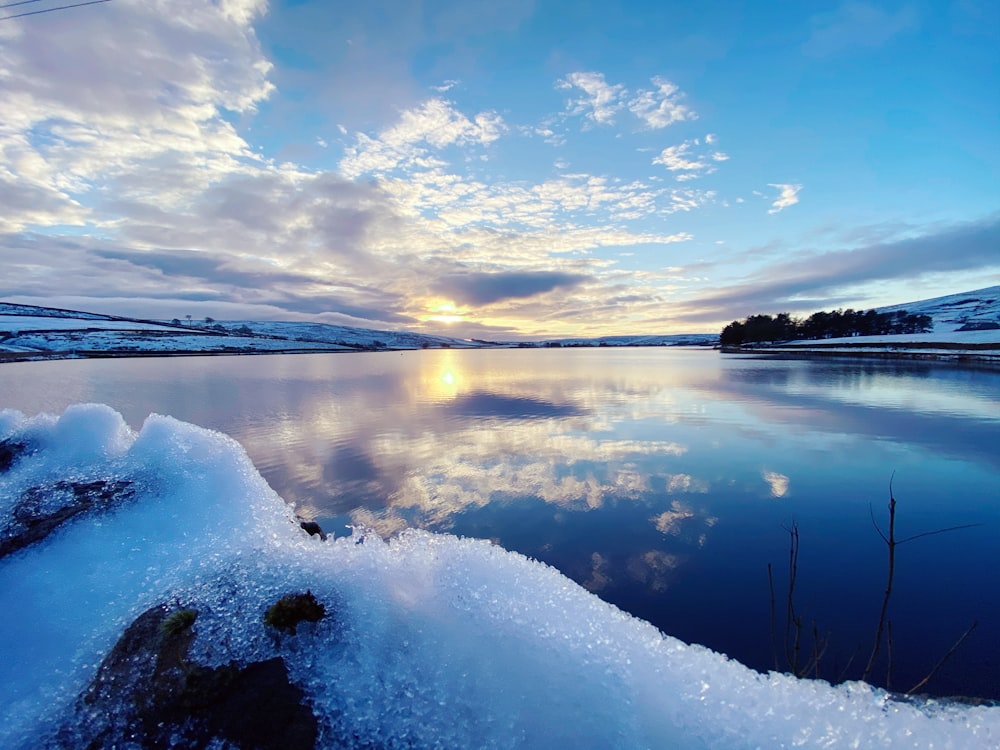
x=792, y=658
x=888, y=651
x=891, y=544
x=871, y=513
x=774, y=641
x=943, y=659
x=843, y=673
x=938, y=531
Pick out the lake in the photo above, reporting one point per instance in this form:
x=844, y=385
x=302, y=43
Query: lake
x=664, y=480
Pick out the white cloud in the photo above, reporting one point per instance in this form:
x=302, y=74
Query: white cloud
x=684, y=159
x=435, y=124
x=122, y=114
x=788, y=195
x=661, y=106
x=600, y=102
x=675, y=158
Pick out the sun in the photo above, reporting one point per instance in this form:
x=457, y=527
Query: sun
x=446, y=312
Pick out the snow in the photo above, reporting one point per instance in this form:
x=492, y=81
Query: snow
x=433, y=641
x=954, y=337
x=954, y=310
x=19, y=323
x=36, y=332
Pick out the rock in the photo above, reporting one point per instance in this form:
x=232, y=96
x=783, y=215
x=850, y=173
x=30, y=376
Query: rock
x=41, y=510
x=312, y=528
x=286, y=613
x=147, y=693
x=10, y=451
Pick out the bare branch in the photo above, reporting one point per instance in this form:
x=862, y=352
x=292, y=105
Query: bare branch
x=871, y=513
x=943, y=659
x=938, y=531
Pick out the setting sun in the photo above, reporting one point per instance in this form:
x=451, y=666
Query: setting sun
x=446, y=312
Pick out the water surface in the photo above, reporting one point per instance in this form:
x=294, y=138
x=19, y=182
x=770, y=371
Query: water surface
x=663, y=480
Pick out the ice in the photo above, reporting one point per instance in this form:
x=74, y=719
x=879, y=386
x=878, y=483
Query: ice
x=431, y=641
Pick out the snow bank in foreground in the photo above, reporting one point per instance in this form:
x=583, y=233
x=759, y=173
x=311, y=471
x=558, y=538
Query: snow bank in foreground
x=432, y=641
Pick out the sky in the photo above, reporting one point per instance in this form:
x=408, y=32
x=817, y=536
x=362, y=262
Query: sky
x=498, y=170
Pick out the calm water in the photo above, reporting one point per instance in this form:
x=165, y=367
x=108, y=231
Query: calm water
x=663, y=480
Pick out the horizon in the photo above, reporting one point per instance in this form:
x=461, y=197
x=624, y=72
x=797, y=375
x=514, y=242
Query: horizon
x=499, y=171
x=190, y=320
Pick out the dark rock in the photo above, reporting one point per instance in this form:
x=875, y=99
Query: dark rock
x=43, y=509
x=313, y=529
x=148, y=694
x=10, y=451
x=286, y=613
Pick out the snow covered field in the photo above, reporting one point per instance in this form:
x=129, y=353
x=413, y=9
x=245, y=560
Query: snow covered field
x=429, y=641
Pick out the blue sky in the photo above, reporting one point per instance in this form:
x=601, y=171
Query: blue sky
x=499, y=170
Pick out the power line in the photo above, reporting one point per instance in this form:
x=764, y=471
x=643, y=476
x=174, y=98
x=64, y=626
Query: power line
x=46, y=10
x=22, y=2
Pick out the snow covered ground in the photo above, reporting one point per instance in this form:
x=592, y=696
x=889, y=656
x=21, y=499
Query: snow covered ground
x=63, y=333
x=430, y=640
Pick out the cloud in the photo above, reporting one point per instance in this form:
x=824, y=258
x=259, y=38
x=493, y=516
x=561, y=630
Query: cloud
x=857, y=26
x=788, y=195
x=84, y=118
x=446, y=86
x=600, y=101
x=487, y=288
x=435, y=124
x=661, y=106
x=816, y=280
x=689, y=160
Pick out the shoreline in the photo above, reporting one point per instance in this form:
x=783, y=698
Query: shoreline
x=979, y=355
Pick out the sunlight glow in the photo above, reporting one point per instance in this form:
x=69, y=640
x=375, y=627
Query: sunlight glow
x=445, y=312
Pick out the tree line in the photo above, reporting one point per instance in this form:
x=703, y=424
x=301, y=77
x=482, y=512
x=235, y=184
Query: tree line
x=758, y=329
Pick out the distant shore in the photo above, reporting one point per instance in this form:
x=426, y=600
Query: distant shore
x=979, y=354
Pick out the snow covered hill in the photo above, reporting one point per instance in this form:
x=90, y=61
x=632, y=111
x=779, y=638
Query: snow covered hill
x=958, y=312
x=31, y=332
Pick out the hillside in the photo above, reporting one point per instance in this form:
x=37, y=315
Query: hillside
x=966, y=327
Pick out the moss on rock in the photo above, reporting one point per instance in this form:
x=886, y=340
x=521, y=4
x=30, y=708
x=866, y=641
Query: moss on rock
x=292, y=609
